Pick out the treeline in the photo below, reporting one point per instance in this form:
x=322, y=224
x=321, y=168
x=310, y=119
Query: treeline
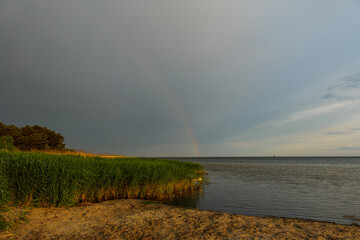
x=30, y=138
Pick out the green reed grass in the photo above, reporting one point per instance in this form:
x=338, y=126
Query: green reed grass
x=40, y=179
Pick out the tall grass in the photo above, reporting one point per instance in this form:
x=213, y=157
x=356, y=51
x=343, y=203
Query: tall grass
x=41, y=179
x=75, y=153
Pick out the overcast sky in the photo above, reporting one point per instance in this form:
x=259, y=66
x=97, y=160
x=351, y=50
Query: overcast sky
x=185, y=78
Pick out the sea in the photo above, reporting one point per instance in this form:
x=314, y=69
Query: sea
x=315, y=188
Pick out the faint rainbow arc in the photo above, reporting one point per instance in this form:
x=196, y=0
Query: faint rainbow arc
x=175, y=101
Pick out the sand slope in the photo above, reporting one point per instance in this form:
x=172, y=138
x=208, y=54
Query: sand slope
x=136, y=219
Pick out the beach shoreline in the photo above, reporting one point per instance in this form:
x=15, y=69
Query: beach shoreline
x=141, y=219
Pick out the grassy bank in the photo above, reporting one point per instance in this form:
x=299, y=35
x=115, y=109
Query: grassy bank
x=40, y=179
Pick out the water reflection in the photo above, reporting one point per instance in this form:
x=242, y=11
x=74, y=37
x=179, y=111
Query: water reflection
x=188, y=200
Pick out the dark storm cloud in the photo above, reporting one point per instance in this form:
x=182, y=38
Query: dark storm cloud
x=60, y=73
x=98, y=74
x=138, y=77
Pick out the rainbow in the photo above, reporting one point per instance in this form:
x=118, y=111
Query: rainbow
x=155, y=73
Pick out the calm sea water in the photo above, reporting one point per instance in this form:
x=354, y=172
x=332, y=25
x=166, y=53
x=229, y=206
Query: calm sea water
x=318, y=188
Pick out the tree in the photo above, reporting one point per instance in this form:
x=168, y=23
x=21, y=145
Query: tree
x=34, y=141
x=55, y=140
x=35, y=137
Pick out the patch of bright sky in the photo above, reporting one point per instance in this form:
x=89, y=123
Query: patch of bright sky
x=329, y=125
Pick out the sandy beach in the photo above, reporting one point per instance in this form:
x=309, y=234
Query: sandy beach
x=138, y=219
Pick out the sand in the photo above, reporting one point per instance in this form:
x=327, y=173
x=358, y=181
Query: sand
x=137, y=219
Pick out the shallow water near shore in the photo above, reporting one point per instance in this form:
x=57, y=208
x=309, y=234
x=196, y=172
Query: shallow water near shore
x=317, y=188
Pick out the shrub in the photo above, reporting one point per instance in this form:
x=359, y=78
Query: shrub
x=7, y=143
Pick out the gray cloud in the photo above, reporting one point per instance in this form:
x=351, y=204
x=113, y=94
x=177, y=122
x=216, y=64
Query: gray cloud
x=351, y=82
x=336, y=97
x=336, y=133
x=349, y=148
x=133, y=77
x=345, y=83
x=329, y=96
x=345, y=89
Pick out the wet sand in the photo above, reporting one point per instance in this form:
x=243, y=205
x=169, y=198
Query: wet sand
x=137, y=219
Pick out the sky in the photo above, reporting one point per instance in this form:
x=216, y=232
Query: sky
x=185, y=78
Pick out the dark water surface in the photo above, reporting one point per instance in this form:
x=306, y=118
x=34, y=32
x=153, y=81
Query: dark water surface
x=319, y=188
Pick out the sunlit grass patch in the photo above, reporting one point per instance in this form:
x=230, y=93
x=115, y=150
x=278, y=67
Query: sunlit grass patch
x=41, y=179
x=76, y=153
